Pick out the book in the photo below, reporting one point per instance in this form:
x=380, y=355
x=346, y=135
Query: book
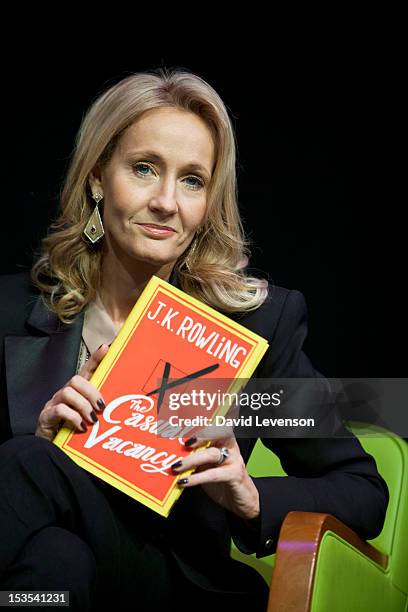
x=171, y=350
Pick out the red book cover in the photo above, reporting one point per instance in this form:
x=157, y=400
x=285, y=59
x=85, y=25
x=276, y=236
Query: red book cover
x=155, y=380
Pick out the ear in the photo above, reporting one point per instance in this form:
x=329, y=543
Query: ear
x=95, y=179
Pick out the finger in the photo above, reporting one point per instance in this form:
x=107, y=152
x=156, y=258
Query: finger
x=57, y=414
x=209, y=456
x=223, y=440
x=74, y=399
x=87, y=390
x=94, y=360
x=213, y=474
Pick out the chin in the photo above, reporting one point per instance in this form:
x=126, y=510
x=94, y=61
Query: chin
x=154, y=259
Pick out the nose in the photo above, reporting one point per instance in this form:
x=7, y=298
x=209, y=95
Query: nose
x=164, y=200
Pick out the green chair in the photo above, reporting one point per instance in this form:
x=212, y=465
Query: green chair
x=339, y=571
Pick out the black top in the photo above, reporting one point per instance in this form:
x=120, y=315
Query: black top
x=38, y=355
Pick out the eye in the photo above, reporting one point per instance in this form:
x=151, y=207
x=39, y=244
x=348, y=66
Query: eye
x=142, y=165
x=143, y=168
x=199, y=183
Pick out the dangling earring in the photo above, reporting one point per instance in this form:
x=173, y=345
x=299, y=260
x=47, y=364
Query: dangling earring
x=192, y=249
x=94, y=228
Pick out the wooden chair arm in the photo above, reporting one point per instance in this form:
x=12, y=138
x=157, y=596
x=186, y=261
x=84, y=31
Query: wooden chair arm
x=296, y=555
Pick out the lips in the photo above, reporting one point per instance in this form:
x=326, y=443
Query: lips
x=156, y=231
x=159, y=227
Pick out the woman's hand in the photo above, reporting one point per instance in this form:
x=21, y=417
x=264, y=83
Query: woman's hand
x=74, y=402
x=228, y=484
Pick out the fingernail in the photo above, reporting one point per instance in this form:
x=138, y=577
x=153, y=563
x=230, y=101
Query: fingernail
x=93, y=416
x=83, y=425
x=182, y=481
x=101, y=404
x=190, y=441
x=177, y=464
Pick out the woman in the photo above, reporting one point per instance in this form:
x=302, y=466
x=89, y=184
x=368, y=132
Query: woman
x=151, y=189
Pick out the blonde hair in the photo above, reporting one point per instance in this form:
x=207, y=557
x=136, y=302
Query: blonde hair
x=212, y=269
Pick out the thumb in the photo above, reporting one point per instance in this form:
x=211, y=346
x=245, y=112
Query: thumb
x=93, y=362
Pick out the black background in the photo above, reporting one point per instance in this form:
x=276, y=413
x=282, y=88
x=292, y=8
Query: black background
x=317, y=138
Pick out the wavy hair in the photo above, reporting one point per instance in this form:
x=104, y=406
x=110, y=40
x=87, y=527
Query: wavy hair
x=67, y=269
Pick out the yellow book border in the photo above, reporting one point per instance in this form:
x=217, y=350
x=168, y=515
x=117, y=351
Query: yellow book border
x=155, y=284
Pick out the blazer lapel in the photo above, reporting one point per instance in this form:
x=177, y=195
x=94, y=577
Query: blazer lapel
x=39, y=364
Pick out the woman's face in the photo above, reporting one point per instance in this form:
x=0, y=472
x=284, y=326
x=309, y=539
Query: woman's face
x=155, y=186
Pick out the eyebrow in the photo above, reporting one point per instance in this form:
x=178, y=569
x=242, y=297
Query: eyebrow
x=192, y=166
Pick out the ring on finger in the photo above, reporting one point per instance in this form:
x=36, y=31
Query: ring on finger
x=224, y=453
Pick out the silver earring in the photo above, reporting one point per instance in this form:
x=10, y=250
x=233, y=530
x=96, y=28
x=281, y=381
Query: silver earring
x=94, y=228
x=192, y=249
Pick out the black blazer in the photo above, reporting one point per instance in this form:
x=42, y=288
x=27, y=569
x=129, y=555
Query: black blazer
x=39, y=354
